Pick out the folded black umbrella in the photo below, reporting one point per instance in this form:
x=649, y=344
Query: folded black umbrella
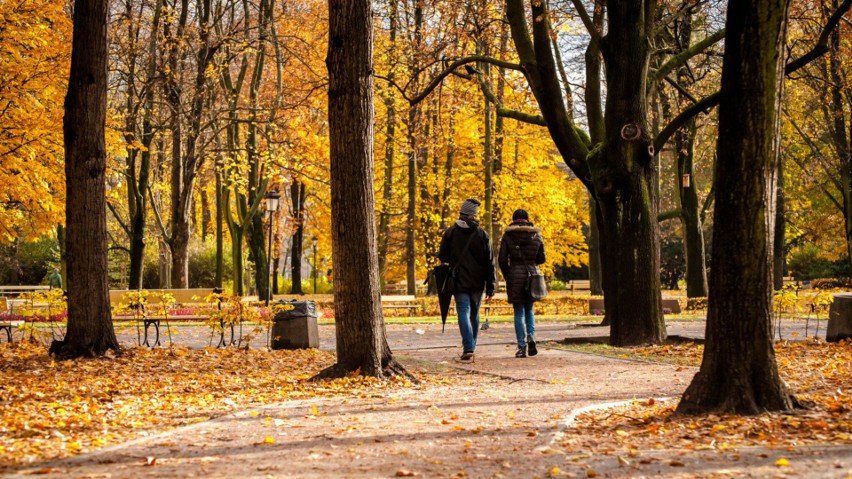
x=445, y=293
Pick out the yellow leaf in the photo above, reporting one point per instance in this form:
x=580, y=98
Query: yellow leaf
x=269, y=440
x=782, y=462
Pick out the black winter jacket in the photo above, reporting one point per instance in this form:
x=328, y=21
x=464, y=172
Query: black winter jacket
x=475, y=271
x=517, y=262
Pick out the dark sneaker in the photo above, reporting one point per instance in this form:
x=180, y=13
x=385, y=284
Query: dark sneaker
x=531, y=347
x=521, y=353
x=466, y=357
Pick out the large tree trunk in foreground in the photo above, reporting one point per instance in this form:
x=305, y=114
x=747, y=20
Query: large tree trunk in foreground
x=90, y=331
x=625, y=183
x=361, y=338
x=738, y=373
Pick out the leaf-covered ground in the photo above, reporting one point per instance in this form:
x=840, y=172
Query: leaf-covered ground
x=817, y=372
x=56, y=409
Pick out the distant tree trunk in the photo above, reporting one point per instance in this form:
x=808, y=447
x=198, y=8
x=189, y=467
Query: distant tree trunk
x=297, y=199
x=390, y=146
x=597, y=132
x=60, y=239
x=779, y=242
x=220, y=233
x=696, y=271
x=90, y=331
x=360, y=330
x=413, y=126
x=739, y=373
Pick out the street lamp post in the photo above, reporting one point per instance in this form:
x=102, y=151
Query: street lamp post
x=271, y=206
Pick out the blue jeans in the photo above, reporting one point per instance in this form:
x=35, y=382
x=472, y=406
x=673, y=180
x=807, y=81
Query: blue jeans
x=467, y=308
x=524, y=314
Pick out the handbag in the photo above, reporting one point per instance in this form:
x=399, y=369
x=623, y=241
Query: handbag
x=536, y=286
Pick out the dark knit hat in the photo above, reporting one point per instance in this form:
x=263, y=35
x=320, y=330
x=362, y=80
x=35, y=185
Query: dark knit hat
x=520, y=214
x=470, y=207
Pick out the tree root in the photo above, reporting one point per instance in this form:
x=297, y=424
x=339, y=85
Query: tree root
x=391, y=367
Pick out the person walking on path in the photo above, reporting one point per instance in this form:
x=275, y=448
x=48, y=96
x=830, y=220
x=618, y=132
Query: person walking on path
x=467, y=249
x=521, y=250
x=55, y=279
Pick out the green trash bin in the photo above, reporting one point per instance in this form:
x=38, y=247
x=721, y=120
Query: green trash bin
x=294, y=326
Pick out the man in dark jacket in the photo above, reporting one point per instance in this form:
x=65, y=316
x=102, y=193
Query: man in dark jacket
x=467, y=249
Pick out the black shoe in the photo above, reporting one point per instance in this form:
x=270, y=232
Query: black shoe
x=531, y=347
x=521, y=353
x=466, y=357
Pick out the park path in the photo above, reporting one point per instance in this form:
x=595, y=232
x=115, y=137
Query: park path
x=498, y=417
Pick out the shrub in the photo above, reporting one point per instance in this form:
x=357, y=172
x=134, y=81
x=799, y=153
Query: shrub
x=202, y=265
x=806, y=263
x=35, y=260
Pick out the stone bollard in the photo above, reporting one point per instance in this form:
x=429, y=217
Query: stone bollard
x=840, y=318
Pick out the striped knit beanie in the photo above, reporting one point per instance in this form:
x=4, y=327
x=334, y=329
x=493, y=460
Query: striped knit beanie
x=470, y=207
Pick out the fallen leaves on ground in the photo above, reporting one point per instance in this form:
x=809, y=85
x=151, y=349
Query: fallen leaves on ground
x=816, y=372
x=56, y=409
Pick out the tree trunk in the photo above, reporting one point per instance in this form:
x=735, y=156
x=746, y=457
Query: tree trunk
x=297, y=198
x=90, y=331
x=625, y=183
x=390, y=145
x=693, y=233
x=779, y=242
x=361, y=338
x=738, y=373
x=220, y=233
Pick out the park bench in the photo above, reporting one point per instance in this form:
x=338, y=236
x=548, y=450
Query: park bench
x=579, y=285
x=497, y=303
x=400, y=302
x=6, y=322
x=670, y=306
x=183, y=298
x=17, y=290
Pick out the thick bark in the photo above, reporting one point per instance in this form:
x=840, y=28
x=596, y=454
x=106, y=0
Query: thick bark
x=625, y=183
x=739, y=373
x=90, y=331
x=360, y=330
x=620, y=172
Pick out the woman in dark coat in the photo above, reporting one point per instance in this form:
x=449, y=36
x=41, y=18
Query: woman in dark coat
x=521, y=251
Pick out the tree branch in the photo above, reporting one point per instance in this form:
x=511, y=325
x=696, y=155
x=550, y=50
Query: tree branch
x=587, y=21
x=447, y=71
x=508, y=112
x=822, y=42
x=684, y=56
x=710, y=101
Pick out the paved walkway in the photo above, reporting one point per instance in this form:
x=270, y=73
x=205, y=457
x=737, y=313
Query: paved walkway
x=500, y=417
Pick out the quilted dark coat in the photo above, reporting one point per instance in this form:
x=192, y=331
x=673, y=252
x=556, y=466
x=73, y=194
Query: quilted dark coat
x=518, y=261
